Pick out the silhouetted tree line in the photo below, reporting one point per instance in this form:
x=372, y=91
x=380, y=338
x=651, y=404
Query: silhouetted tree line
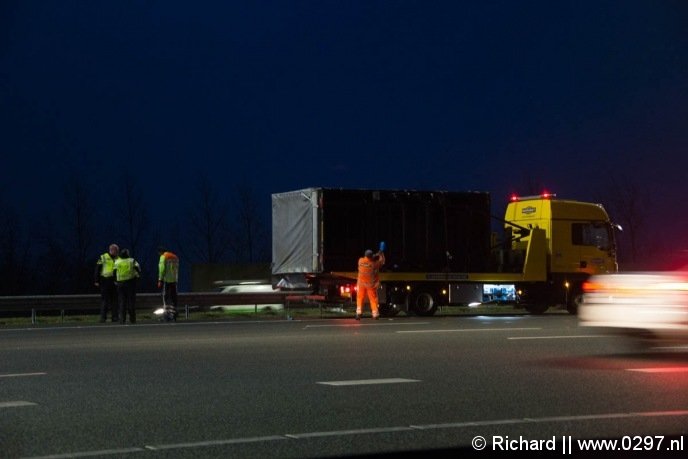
x=57, y=253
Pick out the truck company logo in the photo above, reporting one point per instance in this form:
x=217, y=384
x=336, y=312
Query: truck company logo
x=528, y=210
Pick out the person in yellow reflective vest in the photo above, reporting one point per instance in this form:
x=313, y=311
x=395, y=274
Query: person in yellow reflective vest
x=105, y=280
x=368, y=281
x=168, y=275
x=127, y=271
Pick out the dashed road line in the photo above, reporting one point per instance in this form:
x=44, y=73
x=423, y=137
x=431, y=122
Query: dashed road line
x=371, y=324
x=16, y=404
x=21, y=375
x=557, y=337
x=363, y=382
x=102, y=452
x=230, y=441
x=455, y=330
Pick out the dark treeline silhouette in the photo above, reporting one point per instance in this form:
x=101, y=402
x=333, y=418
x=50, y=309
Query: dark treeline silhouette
x=627, y=202
x=56, y=254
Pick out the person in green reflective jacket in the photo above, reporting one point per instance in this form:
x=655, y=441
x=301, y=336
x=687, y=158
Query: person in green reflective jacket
x=105, y=280
x=127, y=271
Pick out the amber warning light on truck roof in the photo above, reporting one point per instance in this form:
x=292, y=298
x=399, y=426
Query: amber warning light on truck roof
x=543, y=195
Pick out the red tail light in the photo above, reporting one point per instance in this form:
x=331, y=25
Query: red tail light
x=347, y=290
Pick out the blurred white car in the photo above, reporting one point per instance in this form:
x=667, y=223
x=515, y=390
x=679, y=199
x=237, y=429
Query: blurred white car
x=248, y=287
x=650, y=306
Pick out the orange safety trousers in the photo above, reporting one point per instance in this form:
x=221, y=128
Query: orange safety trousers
x=371, y=292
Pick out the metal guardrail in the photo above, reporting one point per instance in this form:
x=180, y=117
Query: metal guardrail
x=144, y=301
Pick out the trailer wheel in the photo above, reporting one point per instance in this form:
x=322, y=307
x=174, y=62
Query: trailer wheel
x=389, y=309
x=423, y=303
x=397, y=301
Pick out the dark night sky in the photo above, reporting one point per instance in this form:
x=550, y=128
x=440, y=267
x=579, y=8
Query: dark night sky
x=283, y=95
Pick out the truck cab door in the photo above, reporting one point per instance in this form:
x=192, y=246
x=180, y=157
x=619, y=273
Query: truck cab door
x=592, y=243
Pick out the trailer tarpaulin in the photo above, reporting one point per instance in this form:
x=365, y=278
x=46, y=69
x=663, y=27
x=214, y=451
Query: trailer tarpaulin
x=294, y=222
x=323, y=230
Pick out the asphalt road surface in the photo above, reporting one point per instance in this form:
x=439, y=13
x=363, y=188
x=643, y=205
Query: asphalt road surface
x=336, y=388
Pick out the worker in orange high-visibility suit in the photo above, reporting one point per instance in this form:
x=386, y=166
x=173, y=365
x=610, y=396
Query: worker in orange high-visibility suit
x=368, y=281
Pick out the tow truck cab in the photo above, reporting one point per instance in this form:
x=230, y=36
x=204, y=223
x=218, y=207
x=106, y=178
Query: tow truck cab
x=579, y=238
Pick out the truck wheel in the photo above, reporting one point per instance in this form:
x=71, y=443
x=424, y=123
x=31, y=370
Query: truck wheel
x=575, y=297
x=537, y=308
x=423, y=304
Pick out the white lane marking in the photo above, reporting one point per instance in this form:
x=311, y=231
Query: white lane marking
x=20, y=375
x=453, y=330
x=230, y=441
x=584, y=417
x=660, y=370
x=558, y=337
x=16, y=404
x=358, y=324
x=671, y=348
x=362, y=382
x=374, y=430
x=339, y=433
x=102, y=452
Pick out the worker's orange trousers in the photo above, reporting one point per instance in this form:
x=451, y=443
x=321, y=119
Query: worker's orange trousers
x=371, y=292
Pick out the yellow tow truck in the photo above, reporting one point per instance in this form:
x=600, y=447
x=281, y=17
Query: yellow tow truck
x=441, y=249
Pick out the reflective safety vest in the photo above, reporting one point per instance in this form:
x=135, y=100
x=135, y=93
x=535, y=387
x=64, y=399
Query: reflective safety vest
x=126, y=269
x=368, y=271
x=107, y=265
x=168, y=267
